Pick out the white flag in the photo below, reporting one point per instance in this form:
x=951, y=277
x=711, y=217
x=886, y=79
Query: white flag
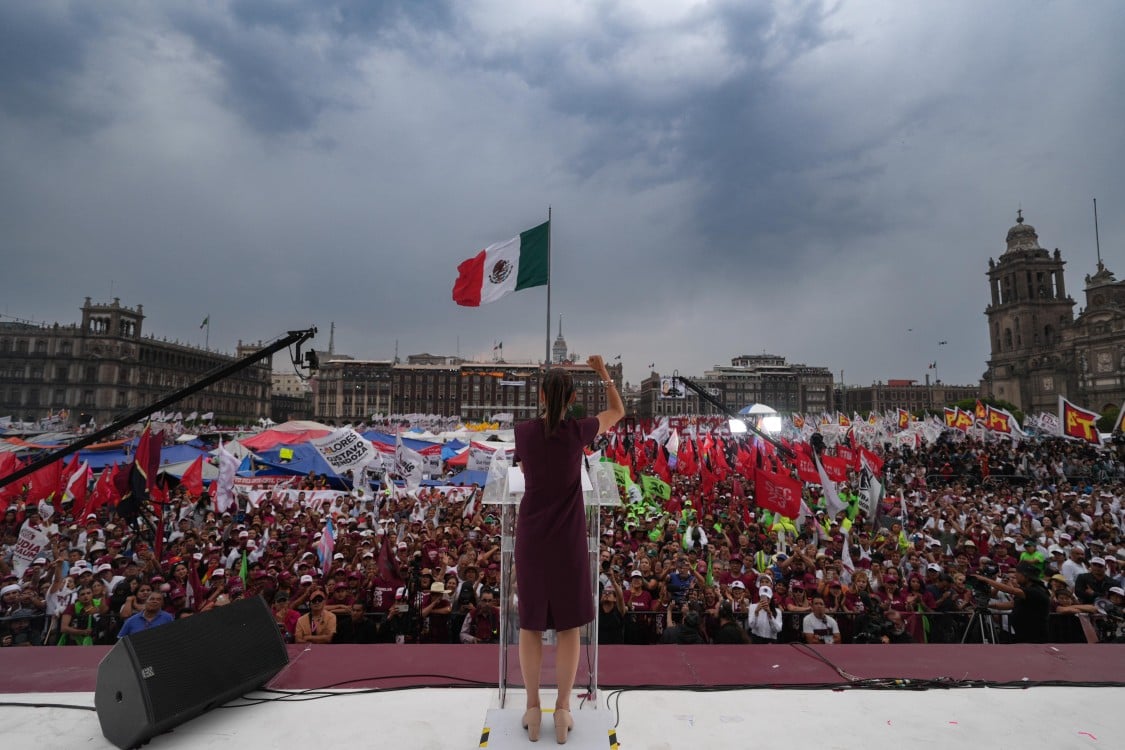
x=673, y=444
x=660, y=433
x=224, y=485
x=192, y=417
x=30, y=545
x=835, y=504
x=345, y=450
x=408, y=465
x=208, y=416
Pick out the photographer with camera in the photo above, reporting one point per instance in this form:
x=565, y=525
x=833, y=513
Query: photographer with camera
x=765, y=618
x=1030, y=603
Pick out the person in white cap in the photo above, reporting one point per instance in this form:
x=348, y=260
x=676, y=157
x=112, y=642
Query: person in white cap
x=765, y=617
x=1094, y=585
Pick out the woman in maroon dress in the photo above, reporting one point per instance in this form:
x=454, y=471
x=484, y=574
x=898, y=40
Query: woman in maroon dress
x=552, y=564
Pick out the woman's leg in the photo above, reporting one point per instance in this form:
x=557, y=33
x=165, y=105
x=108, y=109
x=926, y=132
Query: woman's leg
x=531, y=659
x=566, y=664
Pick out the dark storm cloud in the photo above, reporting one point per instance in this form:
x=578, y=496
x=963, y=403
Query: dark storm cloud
x=807, y=178
x=43, y=47
x=283, y=64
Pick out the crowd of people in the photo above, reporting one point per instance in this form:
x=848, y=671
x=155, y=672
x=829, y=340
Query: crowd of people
x=975, y=541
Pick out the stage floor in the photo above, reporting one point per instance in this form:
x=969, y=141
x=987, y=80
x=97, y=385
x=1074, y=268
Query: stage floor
x=666, y=703
x=436, y=719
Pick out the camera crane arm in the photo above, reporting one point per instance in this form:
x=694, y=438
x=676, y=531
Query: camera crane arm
x=217, y=374
x=722, y=409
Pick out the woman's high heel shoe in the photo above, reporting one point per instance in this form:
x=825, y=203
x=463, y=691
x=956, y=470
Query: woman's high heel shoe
x=532, y=718
x=563, y=724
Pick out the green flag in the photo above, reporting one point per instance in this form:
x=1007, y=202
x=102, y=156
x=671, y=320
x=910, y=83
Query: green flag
x=632, y=494
x=654, y=487
x=710, y=571
x=244, y=571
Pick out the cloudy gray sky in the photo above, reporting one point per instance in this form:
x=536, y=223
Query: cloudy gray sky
x=812, y=179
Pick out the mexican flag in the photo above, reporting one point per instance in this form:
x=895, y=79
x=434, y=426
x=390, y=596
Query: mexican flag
x=504, y=267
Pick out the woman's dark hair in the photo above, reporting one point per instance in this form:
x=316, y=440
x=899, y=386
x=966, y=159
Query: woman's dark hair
x=558, y=387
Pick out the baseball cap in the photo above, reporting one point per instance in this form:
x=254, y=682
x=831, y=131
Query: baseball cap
x=1097, y=561
x=636, y=574
x=1117, y=590
x=934, y=567
x=39, y=561
x=765, y=592
x=306, y=579
x=103, y=568
x=218, y=572
x=737, y=585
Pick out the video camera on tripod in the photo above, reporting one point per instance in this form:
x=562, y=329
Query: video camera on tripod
x=982, y=592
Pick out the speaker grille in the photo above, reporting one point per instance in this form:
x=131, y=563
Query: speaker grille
x=193, y=664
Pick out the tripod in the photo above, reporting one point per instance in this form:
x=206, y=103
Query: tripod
x=981, y=619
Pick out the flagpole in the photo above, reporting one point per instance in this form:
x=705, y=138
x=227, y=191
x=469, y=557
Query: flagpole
x=547, y=357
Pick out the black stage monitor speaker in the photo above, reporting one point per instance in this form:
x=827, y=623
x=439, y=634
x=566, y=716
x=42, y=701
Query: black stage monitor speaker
x=157, y=679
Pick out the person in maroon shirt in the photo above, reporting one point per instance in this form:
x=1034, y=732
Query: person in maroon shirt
x=552, y=565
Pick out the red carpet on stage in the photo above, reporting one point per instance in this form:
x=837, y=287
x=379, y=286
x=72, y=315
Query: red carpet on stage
x=74, y=669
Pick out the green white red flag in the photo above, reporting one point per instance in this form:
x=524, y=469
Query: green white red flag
x=504, y=267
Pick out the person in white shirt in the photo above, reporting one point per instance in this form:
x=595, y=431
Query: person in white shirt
x=1075, y=565
x=818, y=626
x=765, y=618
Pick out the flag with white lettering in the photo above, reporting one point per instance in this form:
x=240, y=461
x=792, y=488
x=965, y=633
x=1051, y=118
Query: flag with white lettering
x=344, y=450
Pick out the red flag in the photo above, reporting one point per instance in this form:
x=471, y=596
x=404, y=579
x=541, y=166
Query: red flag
x=77, y=489
x=687, y=464
x=44, y=482
x=9, y=464
x=385, y=564
x=997, y=420
x=779, y=493
x=192, y=480
x=642, y=456
x=963, y=420
x=836, y=468
x=660, y=466
x=1079, y=423
x=874, y=463
x=806, y=469
x=903, y=419
x=849, y=455
x=105, y=490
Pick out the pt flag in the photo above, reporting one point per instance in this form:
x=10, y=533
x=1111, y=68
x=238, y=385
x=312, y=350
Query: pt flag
x=1078, y=422
x=504, y=267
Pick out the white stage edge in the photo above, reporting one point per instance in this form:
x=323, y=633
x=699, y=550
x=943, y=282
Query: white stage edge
x=425, y=719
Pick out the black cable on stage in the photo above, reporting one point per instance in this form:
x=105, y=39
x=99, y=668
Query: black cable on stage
x=613, y=697
x=317, y=693
x=7, y=704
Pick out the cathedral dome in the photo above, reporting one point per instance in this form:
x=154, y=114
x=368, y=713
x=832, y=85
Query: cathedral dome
x=1022, y=236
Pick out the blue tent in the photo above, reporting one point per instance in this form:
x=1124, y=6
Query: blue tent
x=173, y=454
x=385, y=439
x=305, y=459
x=467, y=477
x=452, y=448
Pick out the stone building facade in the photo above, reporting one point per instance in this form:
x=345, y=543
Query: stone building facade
x=349, y=390
x=104, y=367
x=1039, y=349
x=749, y=379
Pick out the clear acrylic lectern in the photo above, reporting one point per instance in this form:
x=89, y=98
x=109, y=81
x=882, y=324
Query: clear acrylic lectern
x=599, y=486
